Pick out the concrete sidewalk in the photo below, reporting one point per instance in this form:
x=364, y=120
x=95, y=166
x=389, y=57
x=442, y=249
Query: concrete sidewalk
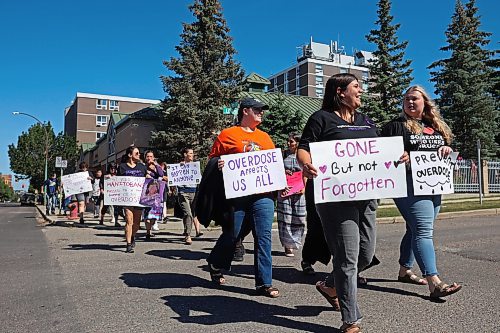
x=175, y=224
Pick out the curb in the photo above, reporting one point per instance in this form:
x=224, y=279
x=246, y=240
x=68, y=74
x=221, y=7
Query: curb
x=446, y=216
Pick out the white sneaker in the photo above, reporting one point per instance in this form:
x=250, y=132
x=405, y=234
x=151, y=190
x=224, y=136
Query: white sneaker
x=155, y=227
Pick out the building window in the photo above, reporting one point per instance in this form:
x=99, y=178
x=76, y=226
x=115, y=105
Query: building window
x=101, y=104
x=111, y=141
x=343, y=70
x=318, y=69
x=319, y=81
x=99, y=135
x=101, y=120
x=113, y=105
x=364, y=76
x=319, y=92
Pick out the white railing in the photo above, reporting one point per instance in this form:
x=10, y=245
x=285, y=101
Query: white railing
x=465, y=176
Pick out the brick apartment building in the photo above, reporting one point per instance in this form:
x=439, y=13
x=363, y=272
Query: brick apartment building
x=7, y=179
x=316, y=62
x=88, y=116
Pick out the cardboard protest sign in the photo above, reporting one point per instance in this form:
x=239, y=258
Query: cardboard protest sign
x=254, y=172
x=294, y=182
x=358, y=169
x=184, y=174
x=123, y=191
x=76, y=183
x=431, y=173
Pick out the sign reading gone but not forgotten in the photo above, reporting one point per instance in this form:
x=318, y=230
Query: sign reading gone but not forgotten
x=254, y=172
x=358, y=169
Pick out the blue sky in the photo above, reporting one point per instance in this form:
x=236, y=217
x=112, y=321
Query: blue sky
x=52, y=49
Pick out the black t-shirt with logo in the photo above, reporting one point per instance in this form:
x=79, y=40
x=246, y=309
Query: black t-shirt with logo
x=138, y=171
x=326, y=126
x=428, y=140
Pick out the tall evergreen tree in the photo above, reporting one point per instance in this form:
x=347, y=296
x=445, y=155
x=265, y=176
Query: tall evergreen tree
x=281, y=120
x=206, y=79
x=390, y=75
x=464, y=84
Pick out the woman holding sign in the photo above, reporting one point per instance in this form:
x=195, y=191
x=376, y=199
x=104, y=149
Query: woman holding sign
x=422, y=129
x=255, y=209
x=349, y=226
x=291, y=206
x=133, y=167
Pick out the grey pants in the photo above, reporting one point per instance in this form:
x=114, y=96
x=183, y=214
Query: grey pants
x=350, y=232
x=186, y=203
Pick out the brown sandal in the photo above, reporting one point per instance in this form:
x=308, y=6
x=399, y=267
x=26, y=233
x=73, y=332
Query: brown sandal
x=268, y=292
x=412, y=279
x=333, y=300
x=442, y=289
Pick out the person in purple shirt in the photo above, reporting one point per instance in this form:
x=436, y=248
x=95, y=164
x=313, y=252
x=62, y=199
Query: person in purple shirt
x=152, y=214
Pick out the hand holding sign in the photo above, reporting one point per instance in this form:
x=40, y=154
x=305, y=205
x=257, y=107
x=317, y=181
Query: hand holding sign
x=254, y=172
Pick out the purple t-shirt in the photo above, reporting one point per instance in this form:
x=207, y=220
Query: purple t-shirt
x=138, y=171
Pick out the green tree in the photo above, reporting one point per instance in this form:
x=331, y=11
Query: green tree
x=281, y=120
x=6, y=192
x=390, y=74
x=464, y=85
x=206, y=79
x=27, y=159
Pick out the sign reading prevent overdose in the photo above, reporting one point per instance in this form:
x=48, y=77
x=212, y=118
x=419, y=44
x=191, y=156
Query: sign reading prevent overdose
x=431, y=173
x=254, y=172
x=123, y=191
x=184, y=174
x=358, y=169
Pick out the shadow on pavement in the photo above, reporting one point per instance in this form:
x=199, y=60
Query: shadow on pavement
x=223, y=309
x=178, y=254
x=106, y=247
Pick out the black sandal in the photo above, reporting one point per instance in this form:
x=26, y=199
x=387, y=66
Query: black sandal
x=216, y=275
x=307, y=268
x=268, y=292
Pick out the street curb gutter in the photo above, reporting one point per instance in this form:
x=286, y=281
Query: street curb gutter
x=446, y=216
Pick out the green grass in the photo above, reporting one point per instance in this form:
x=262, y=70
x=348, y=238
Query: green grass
x=446, y=207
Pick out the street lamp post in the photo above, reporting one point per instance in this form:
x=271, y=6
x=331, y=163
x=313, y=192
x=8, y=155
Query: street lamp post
x=15, y=113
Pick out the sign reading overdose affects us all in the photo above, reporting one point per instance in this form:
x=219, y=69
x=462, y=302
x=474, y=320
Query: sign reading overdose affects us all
x=123, y=191
x=254, y=172
x=184, y=174
x=431, y=173
x=76, y=183
x=358, y=169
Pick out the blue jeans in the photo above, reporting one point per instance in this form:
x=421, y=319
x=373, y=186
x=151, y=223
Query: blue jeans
x=51, y=203
x=258, y=210
x=417, y=244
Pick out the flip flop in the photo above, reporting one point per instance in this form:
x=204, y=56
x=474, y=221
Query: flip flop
x=412, y=279
x=334, y=301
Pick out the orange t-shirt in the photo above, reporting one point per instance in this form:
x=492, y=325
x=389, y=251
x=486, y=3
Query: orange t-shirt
x=235, y=140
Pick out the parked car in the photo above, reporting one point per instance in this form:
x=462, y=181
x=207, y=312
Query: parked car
x=28, y=199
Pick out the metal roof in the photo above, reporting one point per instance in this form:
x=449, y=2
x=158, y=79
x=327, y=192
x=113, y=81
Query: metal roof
x=304, y=104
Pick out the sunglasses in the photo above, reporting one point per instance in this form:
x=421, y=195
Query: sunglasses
x=258, y=110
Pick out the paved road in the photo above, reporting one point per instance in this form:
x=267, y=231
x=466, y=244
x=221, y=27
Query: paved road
x=78, y=279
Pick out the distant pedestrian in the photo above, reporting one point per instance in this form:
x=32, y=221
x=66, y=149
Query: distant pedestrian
x=81, y=198
x=422, y=129
x=96, y=193
x=152, y=214
x=110, y=172
x=52, y=185
x=185, y=195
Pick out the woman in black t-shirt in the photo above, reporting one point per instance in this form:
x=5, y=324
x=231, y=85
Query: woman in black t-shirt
x=422, y=129
x=135, y=168
x=349, y=226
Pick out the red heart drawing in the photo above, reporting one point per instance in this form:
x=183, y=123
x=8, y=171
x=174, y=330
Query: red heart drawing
x=323, y=168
